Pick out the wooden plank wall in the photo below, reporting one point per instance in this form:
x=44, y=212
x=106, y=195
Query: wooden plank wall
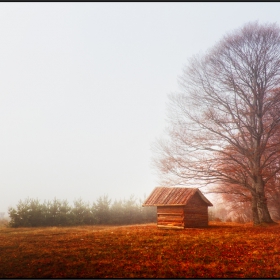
x=196, y=213
x=170, y=216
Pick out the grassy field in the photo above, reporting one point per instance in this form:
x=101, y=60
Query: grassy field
x=141, y=251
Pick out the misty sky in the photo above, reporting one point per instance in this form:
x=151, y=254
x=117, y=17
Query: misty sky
x=83, y=90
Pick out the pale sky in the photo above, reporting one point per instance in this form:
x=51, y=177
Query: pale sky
x=83, y=90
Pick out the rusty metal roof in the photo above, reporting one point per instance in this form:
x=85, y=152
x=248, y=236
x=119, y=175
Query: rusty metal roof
x=161, y=196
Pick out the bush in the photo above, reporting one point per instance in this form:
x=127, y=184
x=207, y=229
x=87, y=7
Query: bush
x=32, y=213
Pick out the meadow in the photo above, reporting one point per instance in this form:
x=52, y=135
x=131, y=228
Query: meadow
x=223, y=250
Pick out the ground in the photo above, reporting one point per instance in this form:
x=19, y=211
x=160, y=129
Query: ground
x=223, y=250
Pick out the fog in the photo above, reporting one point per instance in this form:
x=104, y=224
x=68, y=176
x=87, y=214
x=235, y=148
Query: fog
x=84, y=88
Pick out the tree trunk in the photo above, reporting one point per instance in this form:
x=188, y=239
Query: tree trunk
x=262, y=209
x=264, y=215
x=255, y=213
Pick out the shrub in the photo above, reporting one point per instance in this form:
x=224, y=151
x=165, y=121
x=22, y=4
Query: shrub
x=32, y=213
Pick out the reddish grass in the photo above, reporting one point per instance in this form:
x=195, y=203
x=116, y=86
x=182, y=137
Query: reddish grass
x=223, y=250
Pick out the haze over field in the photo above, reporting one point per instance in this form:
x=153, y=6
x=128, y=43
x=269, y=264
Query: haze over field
x=84, y=88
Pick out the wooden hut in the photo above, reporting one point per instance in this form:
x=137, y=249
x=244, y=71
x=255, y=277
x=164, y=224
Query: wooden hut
x=179, y=207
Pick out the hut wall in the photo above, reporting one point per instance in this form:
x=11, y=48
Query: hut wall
x=193, y=214
x=170, y=216
x=196, y=212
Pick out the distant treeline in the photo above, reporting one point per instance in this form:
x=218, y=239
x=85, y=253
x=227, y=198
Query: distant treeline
x=33, y=213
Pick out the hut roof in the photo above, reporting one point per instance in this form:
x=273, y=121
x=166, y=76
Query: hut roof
x=175, y=196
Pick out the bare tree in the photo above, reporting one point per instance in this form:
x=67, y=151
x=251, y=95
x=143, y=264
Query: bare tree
x=238, y=199
x=226, y=116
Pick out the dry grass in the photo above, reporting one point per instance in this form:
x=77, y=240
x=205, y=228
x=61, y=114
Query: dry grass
x=224, y=250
